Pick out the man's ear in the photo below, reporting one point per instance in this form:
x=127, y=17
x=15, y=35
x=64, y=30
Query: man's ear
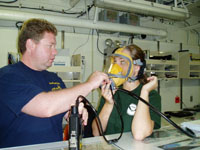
x=30, y=45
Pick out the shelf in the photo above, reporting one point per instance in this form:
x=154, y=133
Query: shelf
x=194, y=72
x=71, y=81
x=65, y=69
x=194, y=78
x=163, y=69
x=195, y=63
x=165, y=78
x=69, y=74
x=166, y=62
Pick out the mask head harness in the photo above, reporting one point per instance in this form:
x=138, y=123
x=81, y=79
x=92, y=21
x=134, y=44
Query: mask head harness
x=141, y=71
x=117, y=74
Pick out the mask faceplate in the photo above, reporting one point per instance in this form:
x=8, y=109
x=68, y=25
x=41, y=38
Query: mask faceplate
x=115, y=71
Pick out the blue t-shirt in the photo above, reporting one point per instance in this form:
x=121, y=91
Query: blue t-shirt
x=18, y=85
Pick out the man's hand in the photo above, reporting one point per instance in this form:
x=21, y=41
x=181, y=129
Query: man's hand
x=82, y=111
x=97, y=79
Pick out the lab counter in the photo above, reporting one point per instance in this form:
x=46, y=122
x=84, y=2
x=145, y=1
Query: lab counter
x=167, y=138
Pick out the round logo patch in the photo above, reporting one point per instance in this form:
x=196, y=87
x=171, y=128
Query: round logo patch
x=131, y=109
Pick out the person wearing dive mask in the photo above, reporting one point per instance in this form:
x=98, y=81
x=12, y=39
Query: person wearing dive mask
x=126, y=71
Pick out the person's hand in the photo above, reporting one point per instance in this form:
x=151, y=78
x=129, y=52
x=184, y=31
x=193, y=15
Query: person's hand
x=106, y=93
x=82, y=111
x=97, y=79
x=151, y=85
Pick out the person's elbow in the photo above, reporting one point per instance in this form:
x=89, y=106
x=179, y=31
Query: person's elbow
x=46, y=114
x=41, y=113
x=139, y=136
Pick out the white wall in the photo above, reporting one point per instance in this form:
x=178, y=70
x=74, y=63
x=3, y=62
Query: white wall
x=8, y=43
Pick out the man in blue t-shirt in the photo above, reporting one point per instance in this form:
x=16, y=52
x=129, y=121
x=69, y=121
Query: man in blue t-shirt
x=33, y=101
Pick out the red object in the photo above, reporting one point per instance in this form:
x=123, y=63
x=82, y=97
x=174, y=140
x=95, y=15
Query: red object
x=66, y=133
x=177, y=99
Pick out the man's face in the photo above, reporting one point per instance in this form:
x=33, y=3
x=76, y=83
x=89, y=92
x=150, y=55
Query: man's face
x=45, y=51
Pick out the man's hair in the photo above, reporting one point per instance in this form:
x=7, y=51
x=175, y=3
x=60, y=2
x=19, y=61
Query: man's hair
x=34, y=29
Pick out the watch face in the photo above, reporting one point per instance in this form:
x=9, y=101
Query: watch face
x=131, y=109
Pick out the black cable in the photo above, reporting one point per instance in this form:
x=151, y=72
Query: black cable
x=88, y=10
x=98, y=45
x=120, y=115
x=9, y=1
x=189, y=133
x=43, y=9
x=99, y=122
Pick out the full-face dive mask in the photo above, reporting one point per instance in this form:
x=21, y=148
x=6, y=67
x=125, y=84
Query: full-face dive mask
x=117, y=75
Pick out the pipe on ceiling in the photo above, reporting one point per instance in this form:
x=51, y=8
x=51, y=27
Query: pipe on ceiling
x=15, y=15
x=144, y=7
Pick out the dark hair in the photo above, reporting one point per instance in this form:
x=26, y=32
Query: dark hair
x=138, y=53
x=34, y=29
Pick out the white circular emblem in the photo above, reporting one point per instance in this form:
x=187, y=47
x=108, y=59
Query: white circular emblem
x=131, y=109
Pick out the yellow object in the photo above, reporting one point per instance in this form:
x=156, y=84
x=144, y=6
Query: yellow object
x=115, y=71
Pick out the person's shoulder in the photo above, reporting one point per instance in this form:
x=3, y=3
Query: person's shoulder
x=11, y=73
x=154, y=94
x=9, y=69
x=49, y=73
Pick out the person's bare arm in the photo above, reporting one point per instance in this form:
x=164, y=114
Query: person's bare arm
x=142, y=125
x=106, y=110
x=47, y=104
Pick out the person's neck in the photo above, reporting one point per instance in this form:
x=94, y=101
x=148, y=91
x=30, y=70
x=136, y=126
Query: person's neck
x=131, y=85
x=28, y=63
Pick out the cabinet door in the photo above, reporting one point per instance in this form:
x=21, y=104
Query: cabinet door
x=184, y=64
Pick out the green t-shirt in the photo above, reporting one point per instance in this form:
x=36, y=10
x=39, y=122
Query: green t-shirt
x=127, y=105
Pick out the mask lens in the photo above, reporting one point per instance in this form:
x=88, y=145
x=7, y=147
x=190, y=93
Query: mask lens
x=118, y=67
x=108, y=64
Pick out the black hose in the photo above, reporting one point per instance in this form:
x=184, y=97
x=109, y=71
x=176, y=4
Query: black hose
x=99, y=122
x=190, y=134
